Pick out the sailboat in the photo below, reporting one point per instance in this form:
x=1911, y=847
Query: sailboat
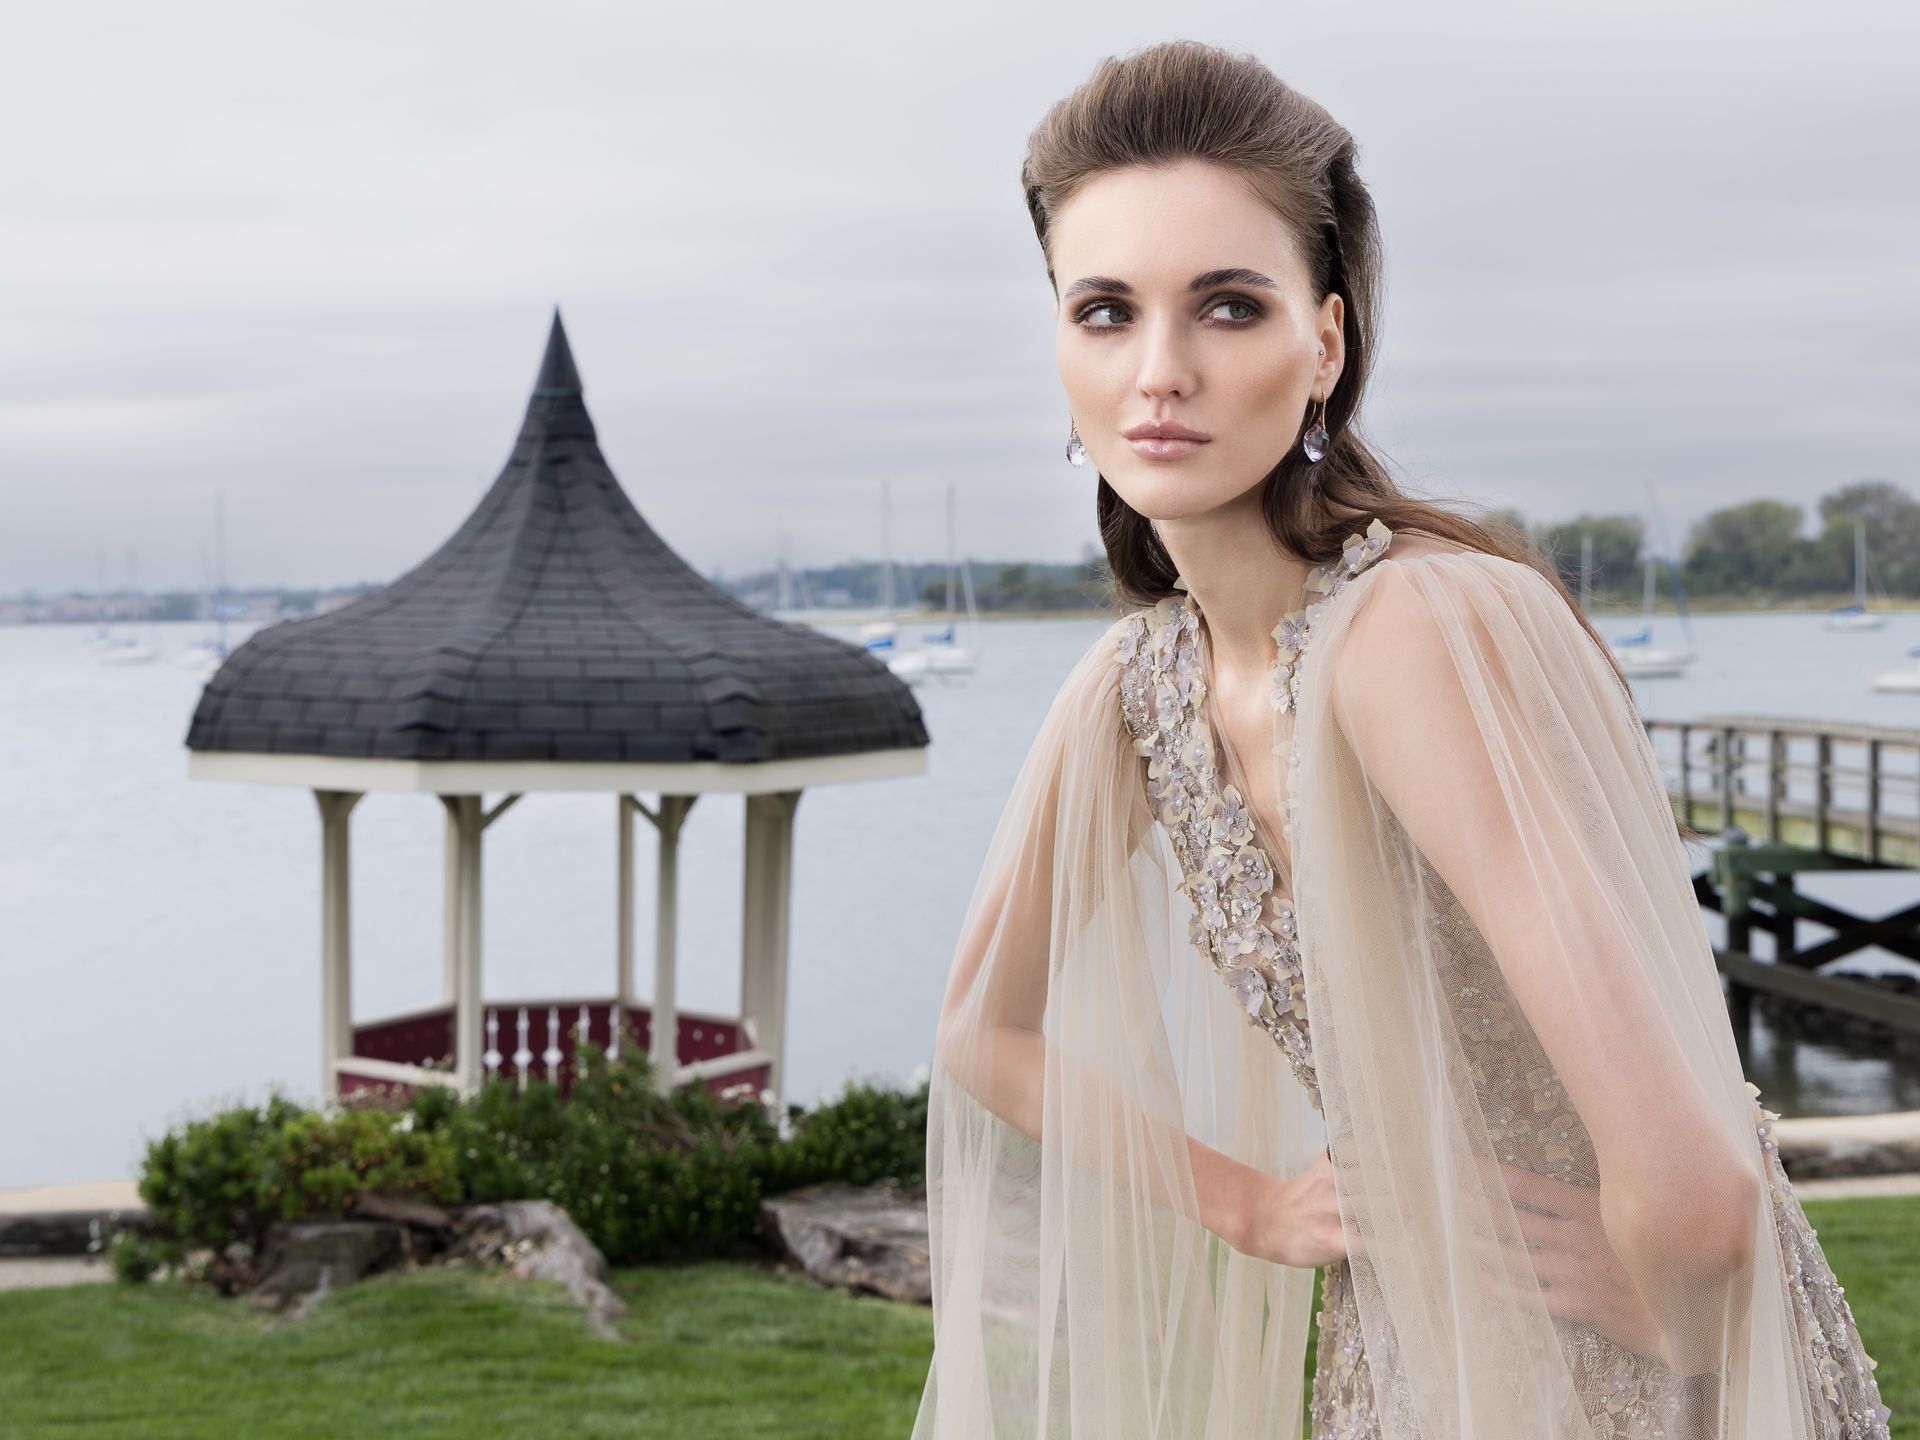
x=1856, y=616
x=881, y=637
x=1639, y=657
x=944, y=654
x=1903, y=681
x=791, y=594
x=210, y=653
x=127, y=649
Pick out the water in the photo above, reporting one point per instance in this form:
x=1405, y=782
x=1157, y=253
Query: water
x=159, y=937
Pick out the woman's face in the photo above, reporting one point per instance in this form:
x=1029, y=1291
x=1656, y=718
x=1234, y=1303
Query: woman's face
x=1182, y=301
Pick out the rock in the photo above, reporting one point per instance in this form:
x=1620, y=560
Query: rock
x=537, y=1240
x=65, y=1232
x=309, y=1256
x=1819, y=1147
x=871, y=1238
x=418, y=1214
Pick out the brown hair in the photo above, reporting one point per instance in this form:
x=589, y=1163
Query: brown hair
x=1186, y=100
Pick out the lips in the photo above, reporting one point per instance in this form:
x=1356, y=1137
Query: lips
x=1163, y=430
x=1164, y=440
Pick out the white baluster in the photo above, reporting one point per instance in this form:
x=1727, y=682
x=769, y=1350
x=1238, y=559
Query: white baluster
x=552, y=1053
x=523, y=1057
x=613, y=1031
x=492, y=1056
x=580, y=1037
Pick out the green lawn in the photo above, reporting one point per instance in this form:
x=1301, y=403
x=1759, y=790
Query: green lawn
x=719, y=1350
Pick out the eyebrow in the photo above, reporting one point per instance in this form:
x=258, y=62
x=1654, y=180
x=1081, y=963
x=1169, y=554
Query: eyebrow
x=1206, y=279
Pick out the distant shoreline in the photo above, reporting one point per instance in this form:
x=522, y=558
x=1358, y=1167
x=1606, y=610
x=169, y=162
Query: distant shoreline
x=1702, y=605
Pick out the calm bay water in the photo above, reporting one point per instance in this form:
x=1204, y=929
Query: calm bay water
x=159, y=937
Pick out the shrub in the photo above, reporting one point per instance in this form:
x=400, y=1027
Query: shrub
x=647, y=1176
x=221, y=1182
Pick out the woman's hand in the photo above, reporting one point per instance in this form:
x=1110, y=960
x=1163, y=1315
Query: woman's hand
x=1580, y=1275
x=1297, y=1221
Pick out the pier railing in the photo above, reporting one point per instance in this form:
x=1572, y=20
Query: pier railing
x=1780, y=796
x=1845, y=790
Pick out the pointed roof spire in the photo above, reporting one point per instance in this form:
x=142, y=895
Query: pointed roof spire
x=557, y=373
x=555, y=624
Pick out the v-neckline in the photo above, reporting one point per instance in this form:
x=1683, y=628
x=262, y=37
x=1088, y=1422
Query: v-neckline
x=1327, y=578
x=1279, y=854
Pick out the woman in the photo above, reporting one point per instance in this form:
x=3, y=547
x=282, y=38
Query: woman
x=1402, y=857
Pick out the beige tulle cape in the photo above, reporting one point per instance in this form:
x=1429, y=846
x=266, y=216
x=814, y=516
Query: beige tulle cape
x=1525, y=1072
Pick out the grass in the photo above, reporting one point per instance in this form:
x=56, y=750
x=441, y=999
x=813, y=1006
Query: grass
x=717, y=1349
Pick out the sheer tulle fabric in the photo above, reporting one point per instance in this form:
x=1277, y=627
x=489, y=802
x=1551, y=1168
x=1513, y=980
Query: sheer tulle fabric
x=1522, y=1054
x=1508, y=968
x=1076, y=1291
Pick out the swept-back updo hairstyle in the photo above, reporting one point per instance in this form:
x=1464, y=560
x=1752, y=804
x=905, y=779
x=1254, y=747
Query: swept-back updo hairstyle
x=1184, y=100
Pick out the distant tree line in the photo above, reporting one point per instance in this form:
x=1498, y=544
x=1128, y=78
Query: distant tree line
x=1759, y=548
x=1755, y=549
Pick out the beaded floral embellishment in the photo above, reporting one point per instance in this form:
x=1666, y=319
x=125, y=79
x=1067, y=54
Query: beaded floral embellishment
x=1247, y=930
x=1838, y=1366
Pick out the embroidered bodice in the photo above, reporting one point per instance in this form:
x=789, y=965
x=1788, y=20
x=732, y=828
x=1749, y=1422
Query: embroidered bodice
x=1242, y=921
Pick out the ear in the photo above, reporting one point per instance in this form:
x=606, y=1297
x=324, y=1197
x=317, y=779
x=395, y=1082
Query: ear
x=1331, y=339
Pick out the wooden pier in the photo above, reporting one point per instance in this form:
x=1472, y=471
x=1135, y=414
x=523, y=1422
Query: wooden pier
x=1778, y=797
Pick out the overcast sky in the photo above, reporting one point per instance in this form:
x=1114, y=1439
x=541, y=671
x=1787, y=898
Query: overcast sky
x=308, y=253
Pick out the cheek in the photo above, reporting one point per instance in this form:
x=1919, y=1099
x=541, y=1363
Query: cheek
x=1086, y=373
x=1266, y=394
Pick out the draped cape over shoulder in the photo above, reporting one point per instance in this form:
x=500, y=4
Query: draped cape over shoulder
x=1476, y=973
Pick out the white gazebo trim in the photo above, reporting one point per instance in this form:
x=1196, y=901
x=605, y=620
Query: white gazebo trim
x=473, y=777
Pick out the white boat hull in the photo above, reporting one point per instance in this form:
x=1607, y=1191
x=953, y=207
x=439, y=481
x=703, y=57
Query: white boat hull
x=1641, y=663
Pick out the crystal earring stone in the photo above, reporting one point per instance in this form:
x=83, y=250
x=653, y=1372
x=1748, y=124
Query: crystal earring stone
x=1314, y=442
x=1076, y=452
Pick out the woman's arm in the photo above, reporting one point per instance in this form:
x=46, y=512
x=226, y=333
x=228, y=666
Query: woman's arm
x=1502, y=742
x=992, y=1037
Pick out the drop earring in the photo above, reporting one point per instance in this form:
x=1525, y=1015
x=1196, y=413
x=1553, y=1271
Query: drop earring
x=1076, y=452
x=1314, y=442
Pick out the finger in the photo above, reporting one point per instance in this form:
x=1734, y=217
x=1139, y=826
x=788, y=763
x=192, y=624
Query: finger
x=1562, y=1196
x=1514, y=1184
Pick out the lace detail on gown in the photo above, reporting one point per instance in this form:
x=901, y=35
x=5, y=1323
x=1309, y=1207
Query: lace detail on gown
x=1245, y=926
x=1241, y=923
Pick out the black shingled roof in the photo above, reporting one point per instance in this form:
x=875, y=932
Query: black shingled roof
x=554, y=625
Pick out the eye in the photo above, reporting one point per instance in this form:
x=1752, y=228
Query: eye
x=1098, y=305
x=1252, y=310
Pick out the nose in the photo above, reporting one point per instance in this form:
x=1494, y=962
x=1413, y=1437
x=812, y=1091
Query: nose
x=1166, y=361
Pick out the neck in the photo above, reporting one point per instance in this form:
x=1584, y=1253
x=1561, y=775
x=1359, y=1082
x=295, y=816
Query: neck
x=1242, y=579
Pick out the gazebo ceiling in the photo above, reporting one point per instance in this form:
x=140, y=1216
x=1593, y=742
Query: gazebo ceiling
x=555, y=625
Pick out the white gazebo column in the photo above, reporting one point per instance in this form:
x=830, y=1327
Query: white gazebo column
x=466, y=822
x=763, y=940
x=664, y=1014
x=336, y=938
x=463, y=937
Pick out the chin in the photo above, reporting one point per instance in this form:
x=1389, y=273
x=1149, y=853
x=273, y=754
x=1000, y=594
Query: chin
x=1171, y=492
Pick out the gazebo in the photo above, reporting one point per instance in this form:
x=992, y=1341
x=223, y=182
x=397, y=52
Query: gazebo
x=556, y=643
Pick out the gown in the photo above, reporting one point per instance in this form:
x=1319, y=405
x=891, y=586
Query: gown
x=1473, y=852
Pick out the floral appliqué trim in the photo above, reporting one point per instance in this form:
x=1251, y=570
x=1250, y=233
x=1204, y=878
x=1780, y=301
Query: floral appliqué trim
x=1248, y=931
x=1839, y=1370
x=1290, y=635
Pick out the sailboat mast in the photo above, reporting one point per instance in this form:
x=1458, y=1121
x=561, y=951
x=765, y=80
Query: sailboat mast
x=220, y=567
x=1860, y=562
x=886, y=548
x=950, y=564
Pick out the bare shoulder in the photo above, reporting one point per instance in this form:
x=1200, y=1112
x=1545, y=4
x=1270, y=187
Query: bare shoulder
x=1421, y=591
